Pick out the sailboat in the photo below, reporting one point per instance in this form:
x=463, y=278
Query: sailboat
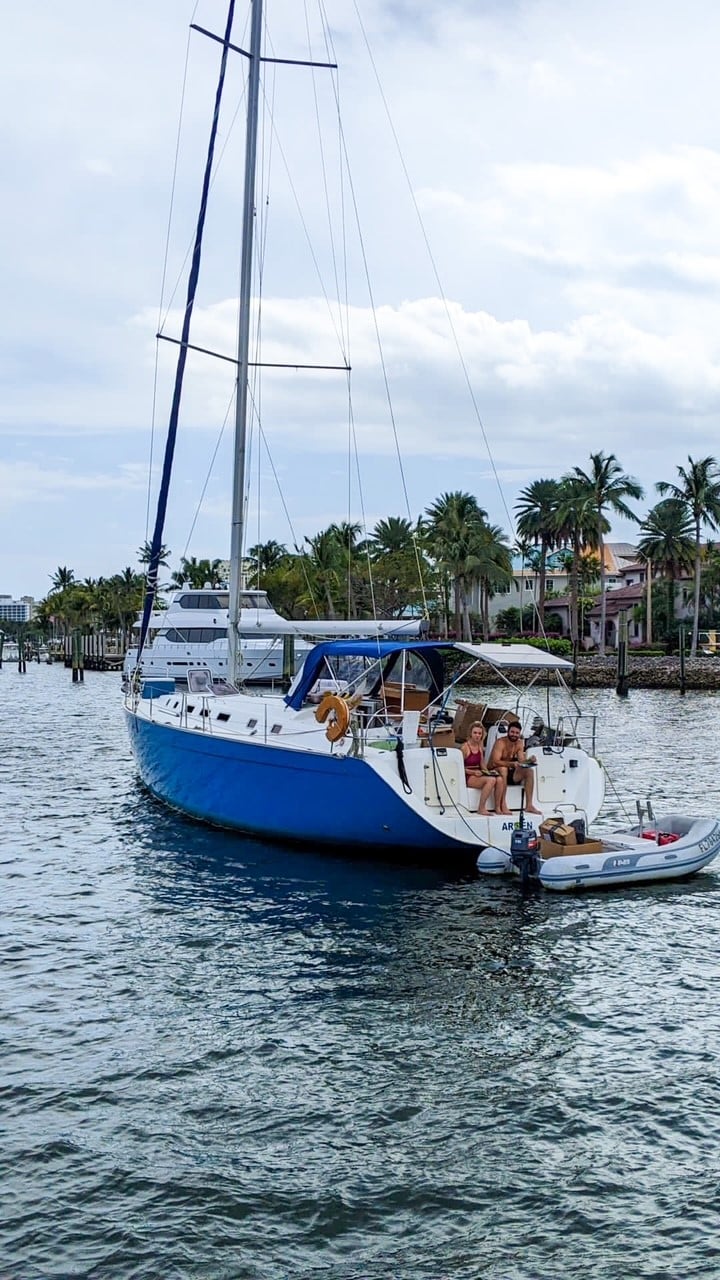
x=364, y=750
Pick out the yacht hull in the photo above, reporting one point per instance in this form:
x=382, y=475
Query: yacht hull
x=283, y=794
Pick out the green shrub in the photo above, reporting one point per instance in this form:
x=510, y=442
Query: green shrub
x=560, y=648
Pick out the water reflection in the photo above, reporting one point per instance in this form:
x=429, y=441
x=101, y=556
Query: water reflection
x=288, y=1063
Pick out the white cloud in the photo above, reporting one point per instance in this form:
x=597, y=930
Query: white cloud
x=571, y=202
x=23, y=482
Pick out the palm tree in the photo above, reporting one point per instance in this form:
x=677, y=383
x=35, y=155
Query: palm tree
x=391, y=536
x=62, y=577
x=536, y=511
x=610, y=487
x=265, y=557
x=325, y=567
x=125, y=593
x=699, y=489
x=144, y=555
x=667, y=542
x=711, y=583
x=399, y=570
x=453, y=534
x=352, y=550
x=197, y=574
x=578, y=529
x=492, y=570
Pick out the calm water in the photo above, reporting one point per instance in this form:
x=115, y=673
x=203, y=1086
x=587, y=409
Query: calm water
x=224, y=1060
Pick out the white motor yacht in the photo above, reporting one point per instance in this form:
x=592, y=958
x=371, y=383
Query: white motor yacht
x=192, y=634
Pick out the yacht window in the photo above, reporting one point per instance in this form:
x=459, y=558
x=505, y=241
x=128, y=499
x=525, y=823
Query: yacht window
x=223, y=715
x=195, y=635
x=204, y=600
x=251, y=724
x=254, y=600
x=277, y=728
x=191, y=708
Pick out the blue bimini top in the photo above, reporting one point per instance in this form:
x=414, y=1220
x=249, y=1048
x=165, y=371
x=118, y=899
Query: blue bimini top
x=373, y=649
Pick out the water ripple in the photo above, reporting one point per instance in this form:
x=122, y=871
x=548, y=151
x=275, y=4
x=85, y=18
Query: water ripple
x=227, y=1060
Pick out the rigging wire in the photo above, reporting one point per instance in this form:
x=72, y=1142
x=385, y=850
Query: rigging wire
x=373, y=308
x=208, y=475
x=163, y=279
x=303, y=223
x=433, y=263
x=341, y=329
x=261, y=250
x=152, y=574
x=216, y=167
x=164, y=311
x=331, y=236
x=343, y=310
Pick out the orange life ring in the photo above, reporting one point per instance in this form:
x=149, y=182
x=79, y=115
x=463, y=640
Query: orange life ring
x=333, y=704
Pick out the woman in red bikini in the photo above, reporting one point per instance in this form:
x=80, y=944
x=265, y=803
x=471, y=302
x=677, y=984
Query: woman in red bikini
x=476, y=775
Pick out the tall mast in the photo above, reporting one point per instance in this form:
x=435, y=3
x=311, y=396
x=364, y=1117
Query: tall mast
x=241, y=397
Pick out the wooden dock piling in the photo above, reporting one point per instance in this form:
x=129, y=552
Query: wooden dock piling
x=78, y=666
x=93, y=651
x=623, y=680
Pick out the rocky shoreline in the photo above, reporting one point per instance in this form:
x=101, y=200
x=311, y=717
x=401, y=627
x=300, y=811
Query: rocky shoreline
x=594, y=672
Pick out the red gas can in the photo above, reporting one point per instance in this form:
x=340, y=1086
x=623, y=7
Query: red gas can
x=667, y=837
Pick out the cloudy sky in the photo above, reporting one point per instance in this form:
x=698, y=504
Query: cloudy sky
x=545, y=285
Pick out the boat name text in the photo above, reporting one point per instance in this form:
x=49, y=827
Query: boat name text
x=710, y=840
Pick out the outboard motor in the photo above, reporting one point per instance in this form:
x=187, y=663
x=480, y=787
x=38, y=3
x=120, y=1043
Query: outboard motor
x=525, y=847
x=525, y=854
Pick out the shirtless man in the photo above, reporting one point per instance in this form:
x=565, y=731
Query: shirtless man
x=507, y=755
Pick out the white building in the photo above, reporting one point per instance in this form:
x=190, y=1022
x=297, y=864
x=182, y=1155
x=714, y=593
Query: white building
x=16, y=610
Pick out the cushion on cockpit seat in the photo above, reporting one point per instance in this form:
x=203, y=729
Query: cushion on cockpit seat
x=513, y=798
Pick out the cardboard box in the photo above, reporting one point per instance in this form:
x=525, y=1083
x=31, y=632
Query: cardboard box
x=551, y=849
x=548, y=849
x=548, y=826
x=564, y=834
x=465, y=714
x=443, y=737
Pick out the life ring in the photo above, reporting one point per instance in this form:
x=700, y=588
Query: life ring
x=333, y=704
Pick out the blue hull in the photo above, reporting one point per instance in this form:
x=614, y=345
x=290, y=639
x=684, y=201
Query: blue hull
x=282, y=794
